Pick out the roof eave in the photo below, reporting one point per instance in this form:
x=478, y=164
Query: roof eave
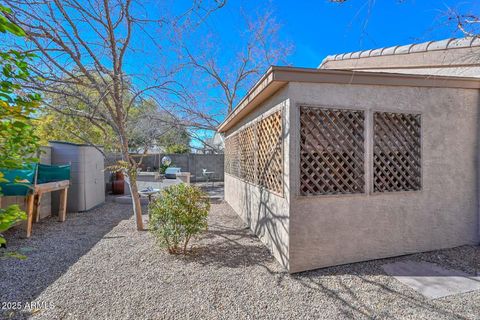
x=277, y=77
x=266, y=86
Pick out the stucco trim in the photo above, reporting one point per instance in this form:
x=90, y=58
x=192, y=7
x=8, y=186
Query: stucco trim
x=277, y=77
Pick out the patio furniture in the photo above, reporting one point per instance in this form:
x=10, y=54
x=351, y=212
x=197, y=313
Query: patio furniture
x=208, y=175
x=171, y=172
x=33, y=181
x=34, y=201
x=149, y=192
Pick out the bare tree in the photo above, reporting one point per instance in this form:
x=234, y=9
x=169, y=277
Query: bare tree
x=83, y=47
x=261, y=48
x=468, y=23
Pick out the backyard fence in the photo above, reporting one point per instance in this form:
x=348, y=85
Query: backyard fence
x=188, y=162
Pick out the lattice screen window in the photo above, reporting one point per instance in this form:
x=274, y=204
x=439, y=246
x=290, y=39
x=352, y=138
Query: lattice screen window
x=227, y=161
x=332, y=151
x=254, y=153
x=232, y=163
x=247, y=146
x=397, y=152
x=269, y=155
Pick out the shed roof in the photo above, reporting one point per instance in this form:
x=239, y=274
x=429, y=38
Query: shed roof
x=276, y=77
x=74, y=144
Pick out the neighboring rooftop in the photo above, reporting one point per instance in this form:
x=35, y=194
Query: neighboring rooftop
x=451, y=57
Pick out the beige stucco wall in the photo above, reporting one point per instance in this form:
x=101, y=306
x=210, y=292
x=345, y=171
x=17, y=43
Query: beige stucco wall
x=332, y=230
x=266, y=213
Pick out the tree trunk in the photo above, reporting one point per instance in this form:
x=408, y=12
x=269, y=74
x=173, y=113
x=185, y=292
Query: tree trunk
x=137, y=206
x=132, y=183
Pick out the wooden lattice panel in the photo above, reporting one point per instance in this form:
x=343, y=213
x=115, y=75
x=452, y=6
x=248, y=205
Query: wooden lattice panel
x=331, y=151
x=226, y=158
x=247, y=146
x=232, y=161
x=397, y=152
x=254, y=153
x=269, y=154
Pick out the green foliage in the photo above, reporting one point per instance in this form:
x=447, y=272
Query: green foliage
x=146, y=128
x=52, y=125
x=17, y=139
x=163, y=168
x=9, y=217
x=179, y=214
x=177, y=148
x=70, y=126
x=149, y=127
x=7, y=26
x=174, y=136
x=125, y=167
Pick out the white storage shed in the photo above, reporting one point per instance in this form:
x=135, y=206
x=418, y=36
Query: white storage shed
x=87, y=181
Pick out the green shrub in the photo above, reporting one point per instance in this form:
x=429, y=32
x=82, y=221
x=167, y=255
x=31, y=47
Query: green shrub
x=177, y=148
x=163, y=168
x=179, y=214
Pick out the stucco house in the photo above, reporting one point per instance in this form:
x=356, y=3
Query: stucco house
x=371, y=155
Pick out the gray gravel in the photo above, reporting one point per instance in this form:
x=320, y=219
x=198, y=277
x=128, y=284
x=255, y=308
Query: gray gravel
x=96, y=266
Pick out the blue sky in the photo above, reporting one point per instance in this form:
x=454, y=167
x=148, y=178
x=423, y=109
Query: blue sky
x=318, y=28
x=315, y=28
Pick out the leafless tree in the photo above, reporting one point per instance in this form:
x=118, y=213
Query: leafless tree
x=468, y=23
x=261, y=48
x=82, y=49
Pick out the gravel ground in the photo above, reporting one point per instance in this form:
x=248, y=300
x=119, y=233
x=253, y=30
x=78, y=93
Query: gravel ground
x=96, y=266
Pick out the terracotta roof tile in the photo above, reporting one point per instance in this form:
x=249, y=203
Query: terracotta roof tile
x=451, y=43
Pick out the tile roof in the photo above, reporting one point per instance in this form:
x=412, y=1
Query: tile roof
x=452, y=43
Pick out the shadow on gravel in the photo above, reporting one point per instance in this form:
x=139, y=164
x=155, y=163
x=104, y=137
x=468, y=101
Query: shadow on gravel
x=353, y=304
x=464, y=258
x=231, y=247
x=51, y=250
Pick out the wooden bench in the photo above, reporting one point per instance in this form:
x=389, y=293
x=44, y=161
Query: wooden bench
x=34, y=199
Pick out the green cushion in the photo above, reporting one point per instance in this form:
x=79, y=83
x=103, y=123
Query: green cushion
x=47, y=173
x=12, y=188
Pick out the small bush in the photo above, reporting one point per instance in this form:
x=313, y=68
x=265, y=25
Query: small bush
x=179, y=214
x=177, y=148
x=163, y=168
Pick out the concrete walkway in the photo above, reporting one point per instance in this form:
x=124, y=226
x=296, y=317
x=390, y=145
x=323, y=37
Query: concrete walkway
x=432, y=280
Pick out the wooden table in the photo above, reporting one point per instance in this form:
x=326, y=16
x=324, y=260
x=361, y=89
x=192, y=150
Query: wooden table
x=34, y=200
